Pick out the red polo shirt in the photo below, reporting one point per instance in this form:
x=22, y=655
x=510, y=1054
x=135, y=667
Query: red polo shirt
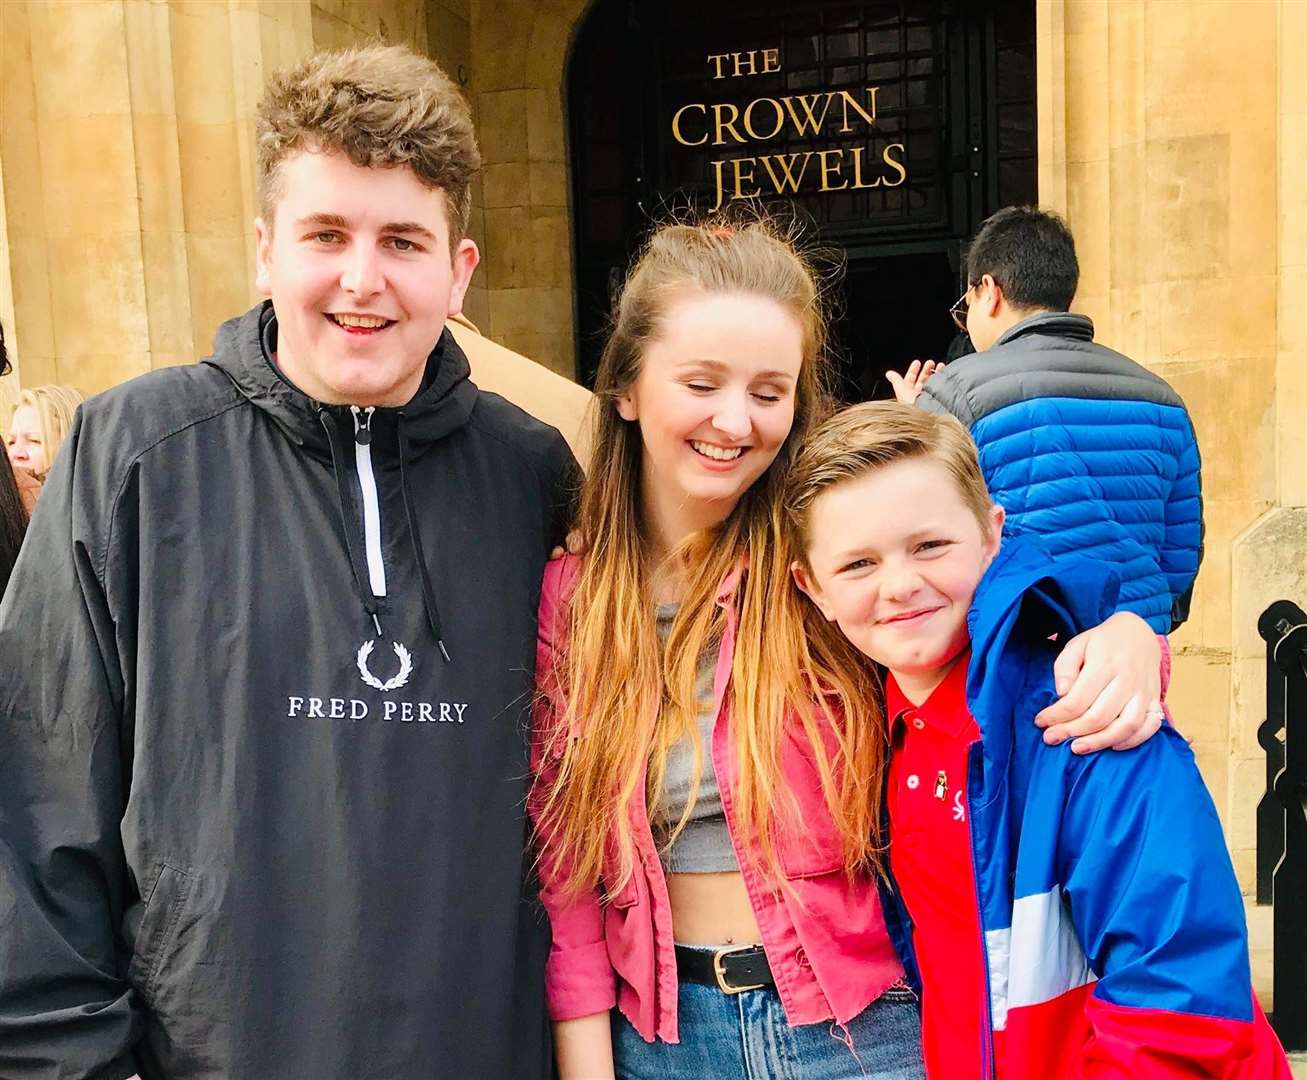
x=930, y=854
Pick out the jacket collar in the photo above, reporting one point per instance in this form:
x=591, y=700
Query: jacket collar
x=1050, y=596
x=1061, y=324
x=242, y=351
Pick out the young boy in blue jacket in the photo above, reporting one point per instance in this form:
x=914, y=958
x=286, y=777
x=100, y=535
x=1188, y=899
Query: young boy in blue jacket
x=1072, y=916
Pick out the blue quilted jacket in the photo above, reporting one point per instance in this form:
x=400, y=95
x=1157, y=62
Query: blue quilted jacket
x=1089, y=450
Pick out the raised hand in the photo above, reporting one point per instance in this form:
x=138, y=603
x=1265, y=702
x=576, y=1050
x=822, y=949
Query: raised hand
x=908, y=386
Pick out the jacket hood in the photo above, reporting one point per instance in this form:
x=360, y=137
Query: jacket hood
x=241, y=351
x=1050, y=596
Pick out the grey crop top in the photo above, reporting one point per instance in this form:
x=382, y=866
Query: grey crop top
x=704, y=845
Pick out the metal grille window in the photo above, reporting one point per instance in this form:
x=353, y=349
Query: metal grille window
x=891, y=63
x=954, y=109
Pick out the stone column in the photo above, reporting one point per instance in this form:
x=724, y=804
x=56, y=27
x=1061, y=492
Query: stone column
x=9, y=386
x=125, y=139
x=1270, y=557
x=1168, y=130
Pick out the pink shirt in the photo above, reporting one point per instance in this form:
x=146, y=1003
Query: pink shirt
x=825, y=938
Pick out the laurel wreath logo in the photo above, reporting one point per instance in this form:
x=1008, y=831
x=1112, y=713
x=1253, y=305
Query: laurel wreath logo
x=393, y=683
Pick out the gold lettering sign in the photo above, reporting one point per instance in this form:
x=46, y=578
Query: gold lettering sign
x=765, y=119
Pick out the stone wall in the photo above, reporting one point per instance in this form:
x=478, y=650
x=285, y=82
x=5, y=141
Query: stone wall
x=519, y=85
x=127, y=165
x=1269, y=559
x=126, y=152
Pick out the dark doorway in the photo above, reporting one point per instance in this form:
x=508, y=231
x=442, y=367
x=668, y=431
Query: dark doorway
x=894, y=128
x=896, y=311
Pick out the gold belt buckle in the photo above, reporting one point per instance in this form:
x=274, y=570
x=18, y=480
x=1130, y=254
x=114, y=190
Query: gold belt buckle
x=719, y=969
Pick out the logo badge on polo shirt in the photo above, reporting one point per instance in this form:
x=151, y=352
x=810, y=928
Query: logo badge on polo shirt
x=941, y=785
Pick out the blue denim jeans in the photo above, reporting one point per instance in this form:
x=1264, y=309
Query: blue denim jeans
x=745, y=1037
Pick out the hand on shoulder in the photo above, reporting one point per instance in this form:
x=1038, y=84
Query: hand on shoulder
x=1110, y=679
x=574, y=546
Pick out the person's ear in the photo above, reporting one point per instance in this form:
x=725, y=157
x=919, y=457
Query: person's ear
x=465, y=259
x=626, y=407
x=807, y=585
x=990, y=295
x=262, y=257
x=997, y=515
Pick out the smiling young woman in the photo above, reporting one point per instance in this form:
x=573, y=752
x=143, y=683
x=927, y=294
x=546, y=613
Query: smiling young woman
x=725, y=812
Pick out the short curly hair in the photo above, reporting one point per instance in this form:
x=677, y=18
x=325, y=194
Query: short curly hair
x=383, y=106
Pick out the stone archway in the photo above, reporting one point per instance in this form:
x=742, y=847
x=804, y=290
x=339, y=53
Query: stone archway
x=525, y=297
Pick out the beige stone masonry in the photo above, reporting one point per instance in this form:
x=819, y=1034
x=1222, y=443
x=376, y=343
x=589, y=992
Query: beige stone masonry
x=519, y=95
x=127, y=166
x=1171, y=135
x=126, y=133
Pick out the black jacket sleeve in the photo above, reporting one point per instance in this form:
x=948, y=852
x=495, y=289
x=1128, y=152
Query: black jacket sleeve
x=66, y=1008
x=566, y=496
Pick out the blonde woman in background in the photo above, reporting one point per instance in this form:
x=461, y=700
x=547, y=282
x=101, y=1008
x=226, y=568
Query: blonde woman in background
x=40, y=423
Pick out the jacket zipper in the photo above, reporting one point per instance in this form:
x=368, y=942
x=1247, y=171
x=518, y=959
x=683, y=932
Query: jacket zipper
x=987, y=1049
x=371, y=507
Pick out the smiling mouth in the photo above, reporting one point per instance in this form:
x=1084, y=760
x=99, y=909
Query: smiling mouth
x=909, y=617
x=716, y=453
x=360, y=324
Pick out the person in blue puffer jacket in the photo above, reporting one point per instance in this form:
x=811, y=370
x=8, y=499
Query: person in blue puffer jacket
x=1079, y=444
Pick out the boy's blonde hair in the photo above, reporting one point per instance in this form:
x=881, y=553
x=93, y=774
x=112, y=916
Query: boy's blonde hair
x=383, y=107
x=872, y=436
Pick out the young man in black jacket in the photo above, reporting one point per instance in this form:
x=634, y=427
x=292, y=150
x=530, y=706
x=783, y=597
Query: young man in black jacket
x=269, y=652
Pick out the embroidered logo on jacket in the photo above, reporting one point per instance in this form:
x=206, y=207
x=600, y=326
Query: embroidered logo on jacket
x=313, y=707
x=339, y=708
x=397, y=680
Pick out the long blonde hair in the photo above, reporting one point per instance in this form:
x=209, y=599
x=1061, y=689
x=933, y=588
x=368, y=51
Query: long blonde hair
x=628, y=699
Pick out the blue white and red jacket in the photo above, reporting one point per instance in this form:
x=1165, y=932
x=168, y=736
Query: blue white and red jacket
x=1114, y=929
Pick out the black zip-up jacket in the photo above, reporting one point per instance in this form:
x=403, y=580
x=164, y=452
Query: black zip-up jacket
x=253, y=823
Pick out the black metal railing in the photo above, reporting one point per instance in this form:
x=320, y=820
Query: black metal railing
x=1282, y=813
